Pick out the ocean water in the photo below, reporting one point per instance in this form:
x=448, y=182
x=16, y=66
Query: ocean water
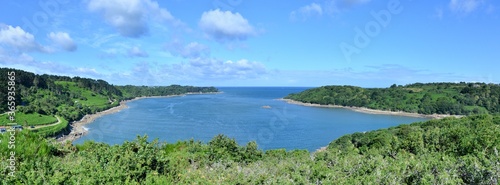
x=237, y=113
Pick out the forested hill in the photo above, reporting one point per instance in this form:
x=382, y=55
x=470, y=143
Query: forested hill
x=431, y=98
x=40, y=98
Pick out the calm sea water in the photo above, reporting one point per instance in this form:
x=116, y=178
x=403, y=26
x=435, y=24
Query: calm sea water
x=237, y=113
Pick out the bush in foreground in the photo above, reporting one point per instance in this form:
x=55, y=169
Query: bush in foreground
x=447, y=151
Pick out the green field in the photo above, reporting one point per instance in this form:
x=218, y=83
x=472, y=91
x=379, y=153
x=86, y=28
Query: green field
x=28, y=119
x=89, y=98
x=52, y=130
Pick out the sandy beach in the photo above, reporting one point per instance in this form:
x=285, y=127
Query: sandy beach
x=77, y=127
x=373, y=111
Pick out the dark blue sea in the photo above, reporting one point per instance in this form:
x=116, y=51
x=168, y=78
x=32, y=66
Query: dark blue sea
x=238, y=113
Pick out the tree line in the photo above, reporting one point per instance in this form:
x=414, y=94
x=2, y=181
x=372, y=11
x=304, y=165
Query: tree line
x=430, y=98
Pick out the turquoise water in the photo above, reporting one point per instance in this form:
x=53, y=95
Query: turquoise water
x=237, y=113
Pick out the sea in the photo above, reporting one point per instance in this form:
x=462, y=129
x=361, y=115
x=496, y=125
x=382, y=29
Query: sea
x=243, y=113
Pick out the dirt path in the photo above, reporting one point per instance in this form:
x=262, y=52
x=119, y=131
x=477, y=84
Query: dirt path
x=49, y=125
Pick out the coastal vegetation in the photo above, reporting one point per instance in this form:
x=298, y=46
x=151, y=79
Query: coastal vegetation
x=431, y=98
x=39, y=98
x=444, y=151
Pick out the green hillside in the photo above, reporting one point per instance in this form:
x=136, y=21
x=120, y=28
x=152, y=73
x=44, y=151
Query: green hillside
x=39, y=98
x=432, y=98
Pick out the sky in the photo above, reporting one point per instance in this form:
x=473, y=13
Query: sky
x=255, y=43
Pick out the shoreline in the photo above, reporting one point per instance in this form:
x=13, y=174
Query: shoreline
x=368, y=111
x=373, y=111
x=77, y=127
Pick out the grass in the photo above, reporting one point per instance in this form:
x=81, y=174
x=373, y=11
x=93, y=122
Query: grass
x=415, y=90
x=92, y=98
x=480, y=109
x=52, y=130
x=28, y=119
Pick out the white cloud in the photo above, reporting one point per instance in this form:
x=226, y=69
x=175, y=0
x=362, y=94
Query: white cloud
x=25, y=61
x=330, y=7
x=63, y=40
x=18, y=40
x=465, y=6
x=86, y=70
x=137, y=52
x=130, y=17
x=225, y=25
x=191, y=50
x=307, y=11
x=209, y=68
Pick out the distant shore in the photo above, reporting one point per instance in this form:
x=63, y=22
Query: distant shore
x=373, y=111
x=77, y=127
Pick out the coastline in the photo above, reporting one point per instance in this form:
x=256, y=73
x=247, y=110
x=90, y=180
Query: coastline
x=373, y=111
x=77, y=127
x=368, y=111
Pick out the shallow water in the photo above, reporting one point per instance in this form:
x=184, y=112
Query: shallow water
x=237, y=113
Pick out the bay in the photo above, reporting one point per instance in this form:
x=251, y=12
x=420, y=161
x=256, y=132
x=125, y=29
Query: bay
x=238, y=112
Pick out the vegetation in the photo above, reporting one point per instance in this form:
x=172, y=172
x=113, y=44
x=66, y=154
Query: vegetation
x=39, y=98
x=29, y=119
x=136, y=91
x=53, y=130
x=433, y=98
x=447, y=151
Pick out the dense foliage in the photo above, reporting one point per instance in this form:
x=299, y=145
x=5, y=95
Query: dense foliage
x=137, y=91
x=433, y=98
x=447, y=151
x=41, y=97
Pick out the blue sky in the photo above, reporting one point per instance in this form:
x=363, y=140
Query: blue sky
x=255, y=43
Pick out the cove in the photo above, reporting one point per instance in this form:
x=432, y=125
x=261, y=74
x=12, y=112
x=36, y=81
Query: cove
x=244, y=113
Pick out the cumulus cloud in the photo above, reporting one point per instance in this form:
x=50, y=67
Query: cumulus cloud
x=63, y=40
x=137, y=52
x=307, y=11
x=191, y=50
x=130, y=17
x=193, y=71
x=225, y=25
x=465, y=6
x=18, y=40
x=210, y=68
x=26, y=61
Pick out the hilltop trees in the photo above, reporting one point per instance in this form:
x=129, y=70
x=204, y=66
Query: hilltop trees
x=432, y=98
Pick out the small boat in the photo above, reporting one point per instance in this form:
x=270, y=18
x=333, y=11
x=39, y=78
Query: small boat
x=266, y=107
